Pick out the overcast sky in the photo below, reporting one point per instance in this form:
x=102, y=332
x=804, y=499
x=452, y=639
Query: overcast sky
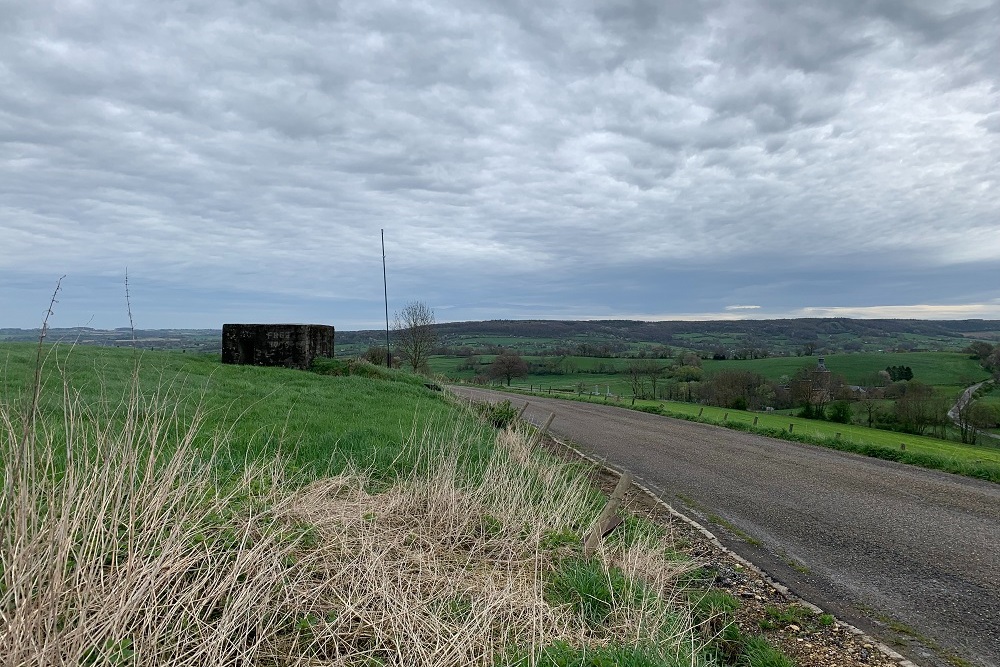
x=650, y=159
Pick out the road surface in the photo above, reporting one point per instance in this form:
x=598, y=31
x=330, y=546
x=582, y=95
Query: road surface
x=910, y=555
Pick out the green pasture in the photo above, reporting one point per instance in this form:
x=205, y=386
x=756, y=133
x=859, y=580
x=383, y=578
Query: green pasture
x=934, y=368
x=948, y=372
x=587, y=370
x=319, y=424
x=945, y=369
x=600, y=383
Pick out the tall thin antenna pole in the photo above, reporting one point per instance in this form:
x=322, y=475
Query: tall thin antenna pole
x=385, y=287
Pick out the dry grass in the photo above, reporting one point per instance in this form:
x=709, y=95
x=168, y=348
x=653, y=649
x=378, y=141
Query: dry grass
x=120, y=545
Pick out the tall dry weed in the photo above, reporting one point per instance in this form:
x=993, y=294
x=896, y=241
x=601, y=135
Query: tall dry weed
x=449, y=566
x=121, y=543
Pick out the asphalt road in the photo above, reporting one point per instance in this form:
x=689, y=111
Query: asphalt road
x=910, y=555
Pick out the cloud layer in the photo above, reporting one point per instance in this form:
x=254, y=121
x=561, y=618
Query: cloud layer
x=568, y=159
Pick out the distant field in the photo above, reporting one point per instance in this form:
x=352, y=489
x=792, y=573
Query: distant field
x=948, y=371
x=587, y=373
x=936, y=368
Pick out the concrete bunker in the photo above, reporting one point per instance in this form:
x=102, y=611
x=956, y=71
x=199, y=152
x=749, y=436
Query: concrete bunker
x=288, y=345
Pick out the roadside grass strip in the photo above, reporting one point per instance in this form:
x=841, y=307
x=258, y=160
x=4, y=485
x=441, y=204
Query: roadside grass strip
x=979, y=461
x=974, y=461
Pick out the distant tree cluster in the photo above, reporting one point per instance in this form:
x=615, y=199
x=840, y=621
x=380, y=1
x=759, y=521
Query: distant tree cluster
x=898, y=373
x=987, y=355
x=379, y=355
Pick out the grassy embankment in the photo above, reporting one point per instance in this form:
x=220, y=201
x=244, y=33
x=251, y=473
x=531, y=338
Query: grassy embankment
x=186, y=513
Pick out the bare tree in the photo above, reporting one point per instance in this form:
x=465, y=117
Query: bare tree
x=966, y=423
x=973, y=417
x=737, y=389
x=919, y=409
x=651, y=369
x=415, y=335
x=872, y=409
x=507, y=366
x=636, y=379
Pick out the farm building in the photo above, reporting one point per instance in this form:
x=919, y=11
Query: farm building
x=288, y=345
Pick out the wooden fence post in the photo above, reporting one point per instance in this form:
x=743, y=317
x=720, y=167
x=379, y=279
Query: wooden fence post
x=791, y=427
x=542, y=431
x=607, y=518
x=520, y=413
x=755, y=420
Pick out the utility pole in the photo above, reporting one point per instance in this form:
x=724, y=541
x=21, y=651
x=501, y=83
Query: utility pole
x=385, y=287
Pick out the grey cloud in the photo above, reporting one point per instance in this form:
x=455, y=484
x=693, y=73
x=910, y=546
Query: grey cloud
x=786, y=35
x=240, y=144
x=990, y=123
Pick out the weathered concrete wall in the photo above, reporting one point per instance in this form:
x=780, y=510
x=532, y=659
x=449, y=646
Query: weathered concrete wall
x=289, y=345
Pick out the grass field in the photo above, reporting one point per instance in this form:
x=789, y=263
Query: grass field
x=949, y=371
x=586, y=371
x=317, y=424
x=934, y=368
x=183, y=512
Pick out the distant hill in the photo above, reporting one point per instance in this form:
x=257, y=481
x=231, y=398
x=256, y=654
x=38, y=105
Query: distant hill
x=194, y=340
x=786, y=336
x=740, y=338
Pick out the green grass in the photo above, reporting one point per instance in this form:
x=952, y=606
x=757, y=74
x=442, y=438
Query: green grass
x=709, y=604
x=591, y=589
x=587, y=370
x=948, y=372
x=783, y=616
x=318, y=424
x=283, y=544
x=824, y=431
x=562, y=654
x=934, y=368
x=759, y=653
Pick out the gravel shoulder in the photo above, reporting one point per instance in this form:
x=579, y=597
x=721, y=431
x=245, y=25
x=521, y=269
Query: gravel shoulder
x=908, y=555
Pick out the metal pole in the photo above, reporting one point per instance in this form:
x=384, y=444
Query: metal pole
x=385, y=287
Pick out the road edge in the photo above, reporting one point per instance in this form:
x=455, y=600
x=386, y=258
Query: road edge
x=640, y=484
